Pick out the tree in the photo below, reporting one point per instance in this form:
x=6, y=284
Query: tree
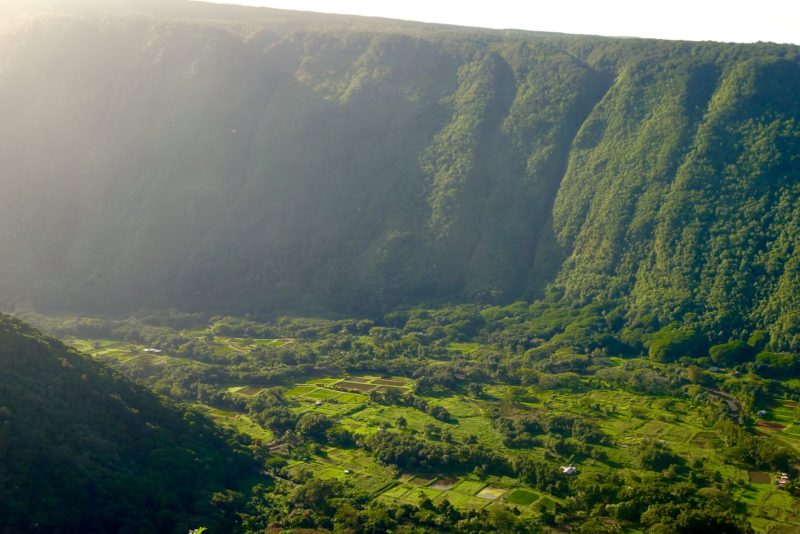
x=314, y=426
x=314, y=493
x=432, y=431
x=656, y=456
x=346, y=518
x=696, y=375
x=401, y=422
x=731, y=353
x=475, y=390
x=672, y=341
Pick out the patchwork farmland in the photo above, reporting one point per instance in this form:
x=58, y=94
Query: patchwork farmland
x=626, y=419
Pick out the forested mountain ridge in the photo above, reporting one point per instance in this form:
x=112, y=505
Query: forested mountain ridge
x=83, y=449
x=257, y=160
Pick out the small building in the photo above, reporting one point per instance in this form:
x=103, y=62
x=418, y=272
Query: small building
x=153, y=351
x=569, y=470
x=761, y=413
x=346, y=471
x=782, y=480
x=318, y=403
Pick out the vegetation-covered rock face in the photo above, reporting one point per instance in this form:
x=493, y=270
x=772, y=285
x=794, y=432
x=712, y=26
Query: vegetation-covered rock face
x=254, y=160
x=83, y=449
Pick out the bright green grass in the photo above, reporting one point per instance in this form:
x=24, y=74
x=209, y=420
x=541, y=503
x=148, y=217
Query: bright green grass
x=352, y=398
x=398, y=491
x=371, y=484
x=462, y=501
x=793, y=430
x=521, y=497
x=469, y=487
x=626, y=417
x=321, y=394
x=324, y=381
x=298, y=390
x=244, y=425
x=236, y=421
x=417, y=494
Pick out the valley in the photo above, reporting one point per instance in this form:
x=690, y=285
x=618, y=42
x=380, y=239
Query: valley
x=579, y=415
x=268, y=271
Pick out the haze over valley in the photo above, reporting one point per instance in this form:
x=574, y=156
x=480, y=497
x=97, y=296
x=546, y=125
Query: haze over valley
x=352, y=274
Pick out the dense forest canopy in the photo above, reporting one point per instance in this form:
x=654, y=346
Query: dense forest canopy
x=84, y=449
x=247, y=159
x=354, y=275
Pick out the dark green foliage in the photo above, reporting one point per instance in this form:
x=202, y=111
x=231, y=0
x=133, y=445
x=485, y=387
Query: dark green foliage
x=777, y=364
x=672, y=342
x=676, y=507
x=392, y=397
x=759, y=340
x=355, y=165
x=731, y=353
x=656, y=456
x=316, y=426
x=752, y=450
x=542, y=475
x=410, y=453
x=82, y=449
x=234, y=160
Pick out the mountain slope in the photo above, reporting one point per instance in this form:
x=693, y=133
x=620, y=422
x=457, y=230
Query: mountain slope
x=687, y=202
x=82, y=449
x=246, y=159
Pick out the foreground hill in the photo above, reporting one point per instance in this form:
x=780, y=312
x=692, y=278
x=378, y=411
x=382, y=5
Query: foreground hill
x=85, y=450
x=259, y=160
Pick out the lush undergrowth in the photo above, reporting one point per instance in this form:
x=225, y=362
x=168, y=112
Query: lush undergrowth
x=83, y=449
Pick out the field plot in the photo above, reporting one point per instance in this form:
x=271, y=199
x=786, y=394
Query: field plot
x=463, y=502
x=129, y=355
x=236, y=421
x=321, y=394
x=354, y=386
x=370, y=383
x=444, y=483
x=491, y=493
x=626, y=419
x=758, y=477
x=360, y=416
x=385, y=382
x=420, y=480
x=781, y=422
x=470, y=487
x=674, y=423
x=521, y=497
x=243, y=344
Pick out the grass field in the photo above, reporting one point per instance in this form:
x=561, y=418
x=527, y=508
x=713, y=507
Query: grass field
x=626, y=418
x=521, y=497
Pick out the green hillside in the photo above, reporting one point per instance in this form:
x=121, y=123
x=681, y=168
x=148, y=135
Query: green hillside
x=84, y=450
x=238, y=159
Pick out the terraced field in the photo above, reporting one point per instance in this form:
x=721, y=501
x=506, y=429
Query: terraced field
x=626, y=418
x=335, y=397
x=782, y=422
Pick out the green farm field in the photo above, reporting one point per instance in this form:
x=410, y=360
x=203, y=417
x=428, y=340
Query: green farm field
x=623, y=420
